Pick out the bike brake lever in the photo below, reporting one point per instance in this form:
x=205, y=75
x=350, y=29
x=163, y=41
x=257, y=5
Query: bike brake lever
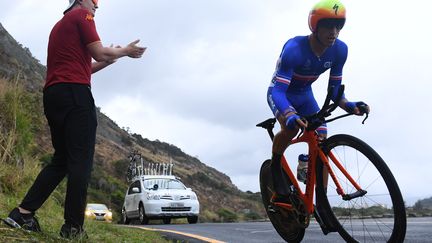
x=301, y=132
x=302, y=128
x=367, y=115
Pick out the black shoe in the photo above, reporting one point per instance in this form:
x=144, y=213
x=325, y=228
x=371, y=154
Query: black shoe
x=71, y=232
x=20, y=220
x=281, y=181
x=277, y=198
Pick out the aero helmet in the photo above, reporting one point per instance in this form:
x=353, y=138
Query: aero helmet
x=326, y=9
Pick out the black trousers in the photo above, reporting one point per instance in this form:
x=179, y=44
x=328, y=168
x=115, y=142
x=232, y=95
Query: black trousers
x=71, y=115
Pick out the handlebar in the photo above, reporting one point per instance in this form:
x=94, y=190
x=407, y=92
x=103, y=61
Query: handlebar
x=316, y=120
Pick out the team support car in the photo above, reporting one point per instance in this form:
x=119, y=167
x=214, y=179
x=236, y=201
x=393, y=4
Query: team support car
x=98, y=211
x=159, y=197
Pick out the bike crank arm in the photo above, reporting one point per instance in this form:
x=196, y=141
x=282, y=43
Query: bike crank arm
x=359, y=193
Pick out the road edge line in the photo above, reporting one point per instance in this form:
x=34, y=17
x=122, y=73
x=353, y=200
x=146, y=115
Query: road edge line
x=199, y=237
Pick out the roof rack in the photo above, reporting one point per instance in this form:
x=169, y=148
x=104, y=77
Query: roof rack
x=138, y=167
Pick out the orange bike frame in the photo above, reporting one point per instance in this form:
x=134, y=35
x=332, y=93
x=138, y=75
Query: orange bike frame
x=313, y=141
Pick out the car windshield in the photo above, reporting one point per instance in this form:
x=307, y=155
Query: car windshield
x=97, y=206
x=163, y=184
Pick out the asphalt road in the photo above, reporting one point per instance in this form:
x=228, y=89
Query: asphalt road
x=418, y=230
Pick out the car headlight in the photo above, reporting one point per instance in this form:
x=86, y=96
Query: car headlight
x=88, y=213
x=109, y=214
x=193, y=197
x=153, y=197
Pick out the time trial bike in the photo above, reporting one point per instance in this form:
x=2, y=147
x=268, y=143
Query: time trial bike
x=360, y=199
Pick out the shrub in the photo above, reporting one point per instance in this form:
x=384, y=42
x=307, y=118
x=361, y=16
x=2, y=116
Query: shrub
x=20, y=117
x=252, y=216
x=226, y=215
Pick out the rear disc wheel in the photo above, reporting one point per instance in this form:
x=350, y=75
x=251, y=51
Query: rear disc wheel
x=283, y=221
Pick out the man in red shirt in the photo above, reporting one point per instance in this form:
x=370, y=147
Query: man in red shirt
x=71, y=114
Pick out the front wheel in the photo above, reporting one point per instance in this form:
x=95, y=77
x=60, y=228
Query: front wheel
x=284, y=222
x=377, y=216
x=125, y=219
x=192, y=219
x=142, y=216
x=166, y=220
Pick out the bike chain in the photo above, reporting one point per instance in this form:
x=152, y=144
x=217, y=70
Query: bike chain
x=301, y=216
x=298, y=212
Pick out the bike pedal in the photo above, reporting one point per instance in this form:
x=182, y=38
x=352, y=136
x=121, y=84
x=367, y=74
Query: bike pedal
x=271, y=209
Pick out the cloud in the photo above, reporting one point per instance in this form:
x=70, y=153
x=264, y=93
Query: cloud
x=202, y=82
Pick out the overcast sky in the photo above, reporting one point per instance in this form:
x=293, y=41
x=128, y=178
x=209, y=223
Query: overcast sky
x=201, y=85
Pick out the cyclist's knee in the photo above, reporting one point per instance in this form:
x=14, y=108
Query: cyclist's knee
x=289, y=134
x=283, y=138
x=322, y=131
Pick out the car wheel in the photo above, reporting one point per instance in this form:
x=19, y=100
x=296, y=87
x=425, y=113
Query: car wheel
x=192, y=219
x=166, y=220
x=125, y=219
x=142, y=217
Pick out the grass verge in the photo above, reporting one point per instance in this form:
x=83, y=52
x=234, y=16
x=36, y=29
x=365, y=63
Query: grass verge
x=51, y=218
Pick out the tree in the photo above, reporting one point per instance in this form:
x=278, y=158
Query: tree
x=418, y=206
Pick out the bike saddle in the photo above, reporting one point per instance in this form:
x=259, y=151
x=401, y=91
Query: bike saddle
x=267, y=124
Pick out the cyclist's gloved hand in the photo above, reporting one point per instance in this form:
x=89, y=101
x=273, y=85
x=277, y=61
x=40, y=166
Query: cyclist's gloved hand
x=350, y=106
x=358, y=107
x=293, y=121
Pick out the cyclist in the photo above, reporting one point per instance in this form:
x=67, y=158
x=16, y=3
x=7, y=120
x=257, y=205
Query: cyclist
x=302, y=60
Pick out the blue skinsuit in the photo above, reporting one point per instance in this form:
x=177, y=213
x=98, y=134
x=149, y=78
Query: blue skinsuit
x=297, y=68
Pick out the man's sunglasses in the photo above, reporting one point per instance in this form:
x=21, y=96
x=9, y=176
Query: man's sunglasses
x=331, y=23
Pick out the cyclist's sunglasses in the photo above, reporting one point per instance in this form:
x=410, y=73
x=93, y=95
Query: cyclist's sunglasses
x=332, y=23
x=95, y=2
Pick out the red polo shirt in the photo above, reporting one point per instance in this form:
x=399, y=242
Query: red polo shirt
x=69, y=60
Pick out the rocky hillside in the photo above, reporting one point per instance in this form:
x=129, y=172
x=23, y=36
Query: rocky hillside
x=215, y=190
x=14, y=59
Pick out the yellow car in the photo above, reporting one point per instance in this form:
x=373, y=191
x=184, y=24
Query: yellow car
x=98, y=211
